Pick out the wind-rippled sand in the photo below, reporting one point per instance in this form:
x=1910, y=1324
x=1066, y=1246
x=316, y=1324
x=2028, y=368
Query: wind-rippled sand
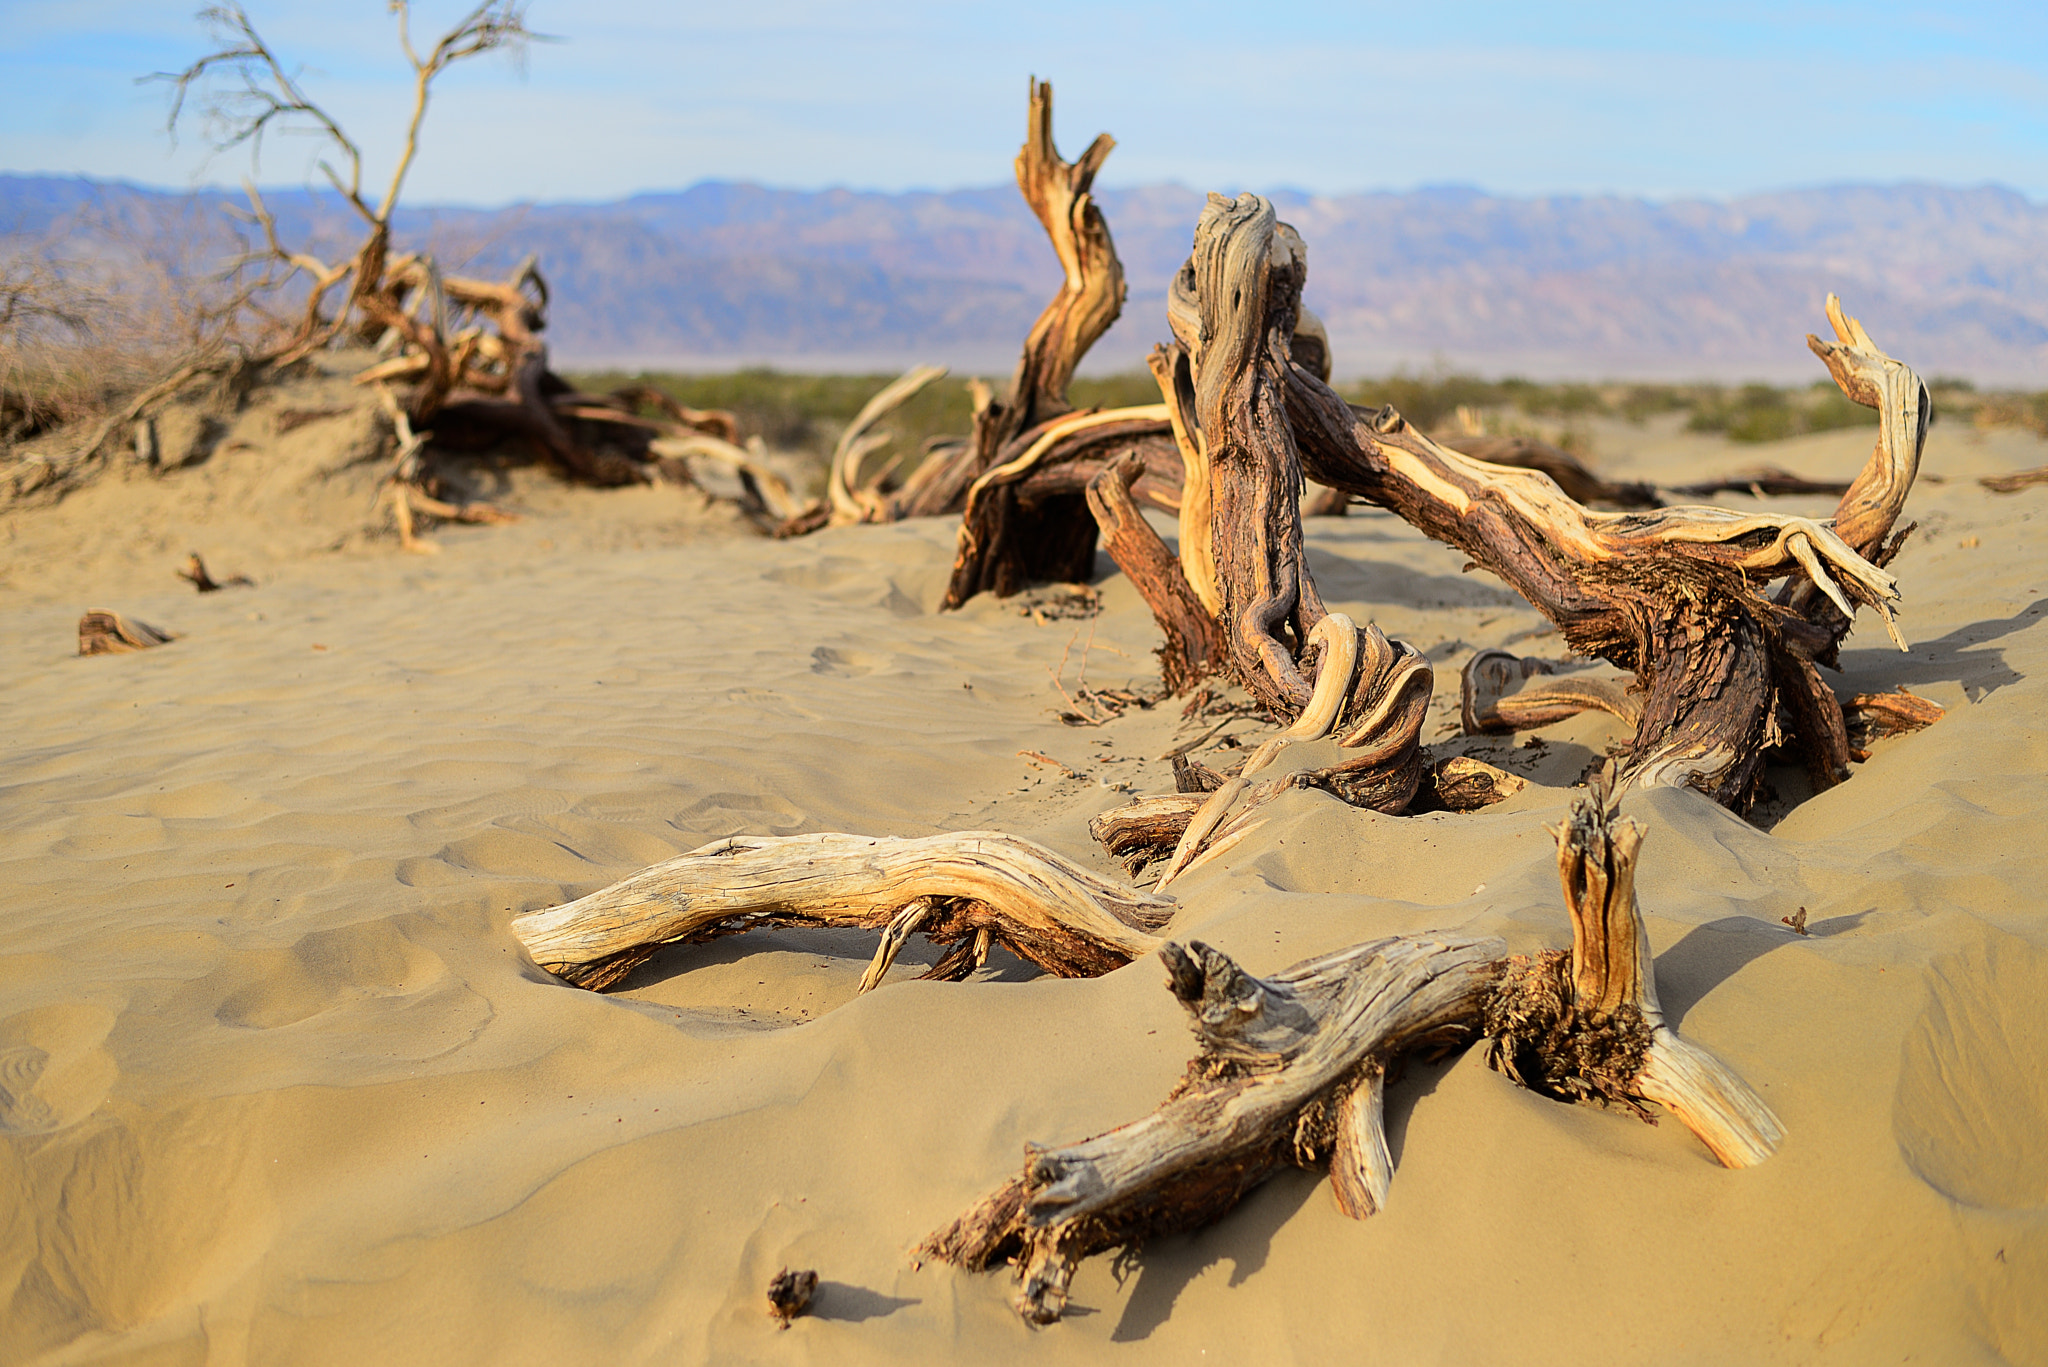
x=278, y=1086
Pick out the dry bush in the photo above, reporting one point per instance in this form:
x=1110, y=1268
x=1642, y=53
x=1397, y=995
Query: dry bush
x=128, y=299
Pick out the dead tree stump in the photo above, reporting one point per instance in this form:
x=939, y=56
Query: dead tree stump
x=1587, y=1025
x=1021, y=479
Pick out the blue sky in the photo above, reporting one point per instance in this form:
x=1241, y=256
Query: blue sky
x=1643, y=99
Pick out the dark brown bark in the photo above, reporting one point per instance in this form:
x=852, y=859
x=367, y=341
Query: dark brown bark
x=1290, y=1070
x=1013, y=534
x=1193, y=646
x=1567, y=470
x=1030, y=523
x=1674, y=596
x=1762, y=480
x=1459, y=783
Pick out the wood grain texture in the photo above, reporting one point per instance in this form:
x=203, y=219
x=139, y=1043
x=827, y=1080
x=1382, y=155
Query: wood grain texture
x=1287, y=1072
x=1068, y=921
x=1674, y=595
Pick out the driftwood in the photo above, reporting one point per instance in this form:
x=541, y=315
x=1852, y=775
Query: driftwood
x=851, y=497
x=968, y=889
x=1870, y=717
x=1237, y=596
x=1152, y=828
x=109, y=633
x=1587, y=1026
x=1459, y=783
x=1291, y=1070
x=1193, y=647
x=193, y=572
x=1018, y=480
x=477, y=377
x=1764, y=481
x=1676, y=596
x=1503, y=692
x=2013, y=483
x=1566, y=470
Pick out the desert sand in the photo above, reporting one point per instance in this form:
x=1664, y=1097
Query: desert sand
x=277, y=1085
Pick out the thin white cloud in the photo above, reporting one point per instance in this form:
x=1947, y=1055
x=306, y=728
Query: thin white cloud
x=1327, y=97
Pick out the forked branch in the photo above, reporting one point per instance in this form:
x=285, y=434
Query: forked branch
x=1288, y=1071
x=1588, y=1025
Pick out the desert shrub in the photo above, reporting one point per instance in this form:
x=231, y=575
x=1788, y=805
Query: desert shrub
x=805, y=413
x=1429, y=401
x=1763, y=413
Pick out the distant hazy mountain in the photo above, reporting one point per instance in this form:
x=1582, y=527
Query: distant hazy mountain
x=1953, y=280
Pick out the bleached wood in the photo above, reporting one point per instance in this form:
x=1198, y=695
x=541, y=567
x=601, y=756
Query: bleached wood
x=1614, y=984
x=1059, y=916
x=851, y=499
x=1288, y=1069
x=1500, y=692
x=1675, y=595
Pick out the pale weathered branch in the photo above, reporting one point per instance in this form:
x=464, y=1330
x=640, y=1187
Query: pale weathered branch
x=1588, y=1025
x=1291, y=1070
x=1288, y=1072
x=978, y=884
x=101, y=632
x=1501, y=692
x=1676, y=595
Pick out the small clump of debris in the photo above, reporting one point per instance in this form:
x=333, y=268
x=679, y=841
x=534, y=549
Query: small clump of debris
x=789, y=1294
x=1797, y=920
x=1060, y=603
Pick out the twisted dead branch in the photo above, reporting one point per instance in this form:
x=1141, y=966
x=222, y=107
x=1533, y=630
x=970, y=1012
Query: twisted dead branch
x=1291, y=1069
x=969, y=889
x=1019, y=479
x=1675, y=596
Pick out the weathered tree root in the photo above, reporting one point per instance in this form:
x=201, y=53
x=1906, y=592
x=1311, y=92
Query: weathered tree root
x=1291, y=1071
x=1870, y=717
x=1501, y=692
x=1193, y=646
x=971, y=888
x=109, y=633
x=2013, y=483
x=1459, y=783
x=1675, y=596
x=476, y=376
x=1504, y=693
x=1586, y=1025
x=1019, y=477
x=194, y=572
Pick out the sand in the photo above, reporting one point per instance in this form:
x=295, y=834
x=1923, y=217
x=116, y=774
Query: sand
x=278, y=1086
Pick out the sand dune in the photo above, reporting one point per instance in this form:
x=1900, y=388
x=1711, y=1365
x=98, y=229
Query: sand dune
x=277, y=1085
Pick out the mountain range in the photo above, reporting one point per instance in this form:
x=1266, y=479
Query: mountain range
x=1953, y=279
